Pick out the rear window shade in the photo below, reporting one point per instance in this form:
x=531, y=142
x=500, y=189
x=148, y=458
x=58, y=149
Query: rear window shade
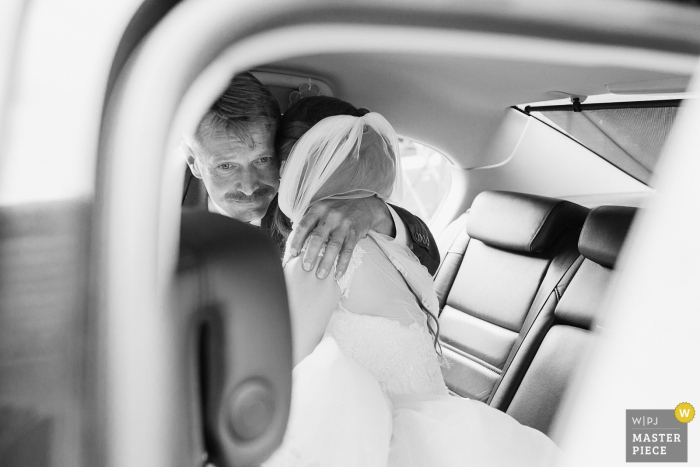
x=629, y=138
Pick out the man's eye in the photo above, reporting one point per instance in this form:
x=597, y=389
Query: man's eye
x=265, y=160
x=225, y=166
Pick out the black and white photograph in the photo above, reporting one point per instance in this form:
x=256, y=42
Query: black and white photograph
x=349, y=233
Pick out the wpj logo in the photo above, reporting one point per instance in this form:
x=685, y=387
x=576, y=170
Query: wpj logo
x=658, y=435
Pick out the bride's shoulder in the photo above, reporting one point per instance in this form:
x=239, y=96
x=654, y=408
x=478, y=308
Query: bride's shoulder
x=304, y=281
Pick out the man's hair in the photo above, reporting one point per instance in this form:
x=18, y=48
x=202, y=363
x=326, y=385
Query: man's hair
x=245, y=104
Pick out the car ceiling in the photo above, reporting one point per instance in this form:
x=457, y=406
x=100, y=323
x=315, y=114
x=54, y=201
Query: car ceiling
x=455, y=104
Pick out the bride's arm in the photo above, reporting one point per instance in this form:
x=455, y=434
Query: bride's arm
x=311, y=302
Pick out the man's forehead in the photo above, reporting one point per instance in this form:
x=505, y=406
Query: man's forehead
x=226, y=139
x=220, y=141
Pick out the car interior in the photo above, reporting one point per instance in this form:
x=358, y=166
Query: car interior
x=555, y=124
x=542, y=196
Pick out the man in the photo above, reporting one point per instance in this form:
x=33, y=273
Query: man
x=234, y=171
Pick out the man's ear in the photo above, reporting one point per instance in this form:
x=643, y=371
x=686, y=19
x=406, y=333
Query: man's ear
x=191, y=159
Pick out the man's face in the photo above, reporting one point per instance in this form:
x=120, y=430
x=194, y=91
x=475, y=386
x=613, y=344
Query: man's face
x=242, y=177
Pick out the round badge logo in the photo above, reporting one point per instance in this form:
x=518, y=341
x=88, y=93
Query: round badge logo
x=684, y=412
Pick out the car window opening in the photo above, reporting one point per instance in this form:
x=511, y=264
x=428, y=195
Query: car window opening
x=629, y=135
x=427, y=179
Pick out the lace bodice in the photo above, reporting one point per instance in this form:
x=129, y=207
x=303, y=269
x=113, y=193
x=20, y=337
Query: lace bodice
x=379, y=324
x=402, y=358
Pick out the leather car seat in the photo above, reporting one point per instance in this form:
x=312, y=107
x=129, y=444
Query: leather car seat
x=536, y=400
x=511, y=246
x=234, y=339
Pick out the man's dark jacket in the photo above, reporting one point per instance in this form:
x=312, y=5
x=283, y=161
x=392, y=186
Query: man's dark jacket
x=194, y=196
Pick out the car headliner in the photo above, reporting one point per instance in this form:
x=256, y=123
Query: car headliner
x=456, y=103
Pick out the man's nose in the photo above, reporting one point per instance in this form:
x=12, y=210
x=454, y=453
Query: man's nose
x=248, y=181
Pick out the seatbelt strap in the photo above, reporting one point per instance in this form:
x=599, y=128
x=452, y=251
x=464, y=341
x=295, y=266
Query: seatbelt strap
x=555, y=273
x=447, y=272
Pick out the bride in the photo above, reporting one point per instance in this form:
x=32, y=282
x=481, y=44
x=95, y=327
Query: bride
x=368, y=390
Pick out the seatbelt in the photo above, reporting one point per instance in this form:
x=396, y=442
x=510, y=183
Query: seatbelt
x=452, y=261
x=460, y=225
x=555, y=273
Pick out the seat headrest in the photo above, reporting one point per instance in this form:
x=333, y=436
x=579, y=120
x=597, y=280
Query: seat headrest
x=521, y=222
x=604, y=233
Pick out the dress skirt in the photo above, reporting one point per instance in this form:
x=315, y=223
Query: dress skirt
x=341, y=417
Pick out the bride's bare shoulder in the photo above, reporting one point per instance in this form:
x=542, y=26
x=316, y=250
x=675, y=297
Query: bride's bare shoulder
x=297, y=277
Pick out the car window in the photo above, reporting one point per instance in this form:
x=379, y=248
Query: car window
x=427, y=179
x=629, y=135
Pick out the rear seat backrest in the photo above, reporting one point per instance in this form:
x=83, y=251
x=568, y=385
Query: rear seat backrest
x=509, y=242
x=538, y=397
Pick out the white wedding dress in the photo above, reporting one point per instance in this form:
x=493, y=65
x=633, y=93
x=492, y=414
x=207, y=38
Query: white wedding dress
x=372, y=392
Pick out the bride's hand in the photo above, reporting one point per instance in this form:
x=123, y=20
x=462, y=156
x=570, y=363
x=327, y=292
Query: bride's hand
x=342, y=222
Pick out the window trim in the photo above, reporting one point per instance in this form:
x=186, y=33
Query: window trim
x=581, y=107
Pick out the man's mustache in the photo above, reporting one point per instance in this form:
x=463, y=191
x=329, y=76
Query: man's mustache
x=257, y=195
